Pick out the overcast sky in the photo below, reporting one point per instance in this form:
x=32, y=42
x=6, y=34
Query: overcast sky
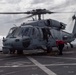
x=24, y=5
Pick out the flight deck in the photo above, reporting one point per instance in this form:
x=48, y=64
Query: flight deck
x=39, y=63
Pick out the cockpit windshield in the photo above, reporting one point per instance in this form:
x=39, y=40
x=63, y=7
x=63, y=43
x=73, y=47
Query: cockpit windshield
x=11, y=31
x=20, y=31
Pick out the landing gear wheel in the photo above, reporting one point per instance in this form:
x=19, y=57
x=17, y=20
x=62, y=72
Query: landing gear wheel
x=12, y=51
x=5, y=51
x=49, y=50
x=19, y=51
x=71, y=45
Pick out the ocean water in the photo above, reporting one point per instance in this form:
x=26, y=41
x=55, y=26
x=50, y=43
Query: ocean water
x=1, y=37
x=0, y=44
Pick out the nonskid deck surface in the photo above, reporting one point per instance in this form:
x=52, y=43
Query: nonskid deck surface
x=39, y=63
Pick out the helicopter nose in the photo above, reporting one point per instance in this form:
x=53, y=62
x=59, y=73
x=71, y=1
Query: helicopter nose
x=26, y=42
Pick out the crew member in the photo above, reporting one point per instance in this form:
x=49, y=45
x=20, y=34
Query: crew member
x=46, y=33
x=60, y=45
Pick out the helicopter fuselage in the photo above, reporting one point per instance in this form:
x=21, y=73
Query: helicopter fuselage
x=32, y=37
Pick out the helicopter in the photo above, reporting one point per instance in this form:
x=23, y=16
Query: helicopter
x=38, y=34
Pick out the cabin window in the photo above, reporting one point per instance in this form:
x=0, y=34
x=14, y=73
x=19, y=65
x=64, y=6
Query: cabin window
x=35, y=33
x=26, y=30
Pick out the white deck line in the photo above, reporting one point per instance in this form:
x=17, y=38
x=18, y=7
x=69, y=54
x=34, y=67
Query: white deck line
x=45, y=69
x=70, y=58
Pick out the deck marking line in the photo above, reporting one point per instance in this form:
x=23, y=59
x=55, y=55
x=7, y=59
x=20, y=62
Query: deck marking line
x=68, y=64
x=45, y=69
x=61, y=57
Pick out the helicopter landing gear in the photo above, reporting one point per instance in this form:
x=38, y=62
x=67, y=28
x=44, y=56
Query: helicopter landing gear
x=60, y=47
x=71, y=45
x=49, y=50
x=5, y=51
x=12, y=51
x=19, y=51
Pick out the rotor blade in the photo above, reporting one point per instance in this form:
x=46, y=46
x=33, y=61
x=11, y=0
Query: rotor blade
x=60, y=12
x=70, y=22
x=14, y=12
x=70, y=25
x=51, y=12
x=20, y=19
x=24, y=18
x=34, y=12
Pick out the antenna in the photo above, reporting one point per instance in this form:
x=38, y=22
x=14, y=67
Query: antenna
x=15, y=25
x=33, y=19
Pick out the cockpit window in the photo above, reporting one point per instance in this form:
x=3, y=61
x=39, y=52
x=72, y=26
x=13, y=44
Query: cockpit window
x=33, y=31
x=22, y=31
x=19, y=31
x=11, y=31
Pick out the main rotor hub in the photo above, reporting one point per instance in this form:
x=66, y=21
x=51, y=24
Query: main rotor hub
x=39, y=12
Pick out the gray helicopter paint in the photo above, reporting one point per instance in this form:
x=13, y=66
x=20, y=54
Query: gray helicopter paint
x=42, y=23
x=58, y=35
